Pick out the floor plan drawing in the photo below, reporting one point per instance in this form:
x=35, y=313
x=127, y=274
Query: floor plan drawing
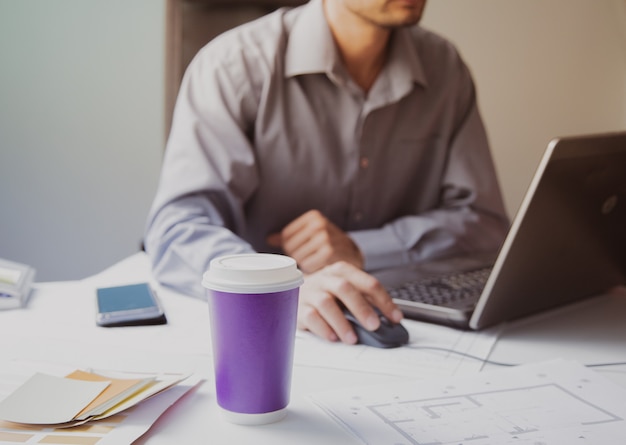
x=555, y=403
x=513, y=412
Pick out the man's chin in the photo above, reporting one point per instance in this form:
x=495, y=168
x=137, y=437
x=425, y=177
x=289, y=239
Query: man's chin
x=404, y=23
x=403, y=17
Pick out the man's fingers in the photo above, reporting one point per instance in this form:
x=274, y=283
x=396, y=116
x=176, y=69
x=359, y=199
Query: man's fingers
x=299, y=236
x=310, y=320
x=314, y=242
x=300, y=223
x=297, y=233
x=360, y=292
x=324, y=318
x=314, y=254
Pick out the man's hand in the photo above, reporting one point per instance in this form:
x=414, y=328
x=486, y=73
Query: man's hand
x=314, y=242
x=319, y=312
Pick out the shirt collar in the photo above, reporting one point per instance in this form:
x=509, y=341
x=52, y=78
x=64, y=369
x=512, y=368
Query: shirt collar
x=401, y=73
x=404, y=62
x=311, y=47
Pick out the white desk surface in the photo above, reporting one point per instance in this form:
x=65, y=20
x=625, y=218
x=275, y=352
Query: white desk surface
x=58, y=326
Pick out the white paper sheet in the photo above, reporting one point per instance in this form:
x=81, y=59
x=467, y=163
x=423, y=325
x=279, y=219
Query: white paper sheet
x=550, y=403
x=49, y=399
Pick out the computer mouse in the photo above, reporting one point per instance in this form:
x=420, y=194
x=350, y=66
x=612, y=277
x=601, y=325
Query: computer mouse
x=388, y=335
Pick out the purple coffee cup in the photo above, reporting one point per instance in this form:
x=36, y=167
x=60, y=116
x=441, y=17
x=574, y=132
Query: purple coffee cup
x=253, y=304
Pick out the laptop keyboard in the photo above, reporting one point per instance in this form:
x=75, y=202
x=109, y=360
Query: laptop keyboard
x=454, y=290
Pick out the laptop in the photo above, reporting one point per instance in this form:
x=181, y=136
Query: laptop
x=567, y=242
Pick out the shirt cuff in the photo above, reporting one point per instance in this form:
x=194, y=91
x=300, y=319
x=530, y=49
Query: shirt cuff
x=380, y=248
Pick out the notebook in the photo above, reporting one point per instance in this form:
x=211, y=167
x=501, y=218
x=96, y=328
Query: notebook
x=567, y=242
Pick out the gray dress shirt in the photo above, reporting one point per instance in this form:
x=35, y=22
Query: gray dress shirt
x=268, y=125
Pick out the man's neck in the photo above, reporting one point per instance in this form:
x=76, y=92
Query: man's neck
x=362, y=45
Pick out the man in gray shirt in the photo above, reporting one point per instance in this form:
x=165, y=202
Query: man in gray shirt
x=337, y=133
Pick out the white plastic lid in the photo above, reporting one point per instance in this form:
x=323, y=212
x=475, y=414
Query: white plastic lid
x=251, y=273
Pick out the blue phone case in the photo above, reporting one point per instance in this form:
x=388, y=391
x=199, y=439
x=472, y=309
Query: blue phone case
x=129, y=305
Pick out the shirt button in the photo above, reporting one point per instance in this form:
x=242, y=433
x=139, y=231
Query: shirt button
x=365, y=162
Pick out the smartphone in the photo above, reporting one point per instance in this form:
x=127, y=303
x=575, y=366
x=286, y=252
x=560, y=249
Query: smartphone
x=130, y=305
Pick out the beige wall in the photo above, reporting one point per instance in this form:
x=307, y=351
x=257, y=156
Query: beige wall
x=543, y=68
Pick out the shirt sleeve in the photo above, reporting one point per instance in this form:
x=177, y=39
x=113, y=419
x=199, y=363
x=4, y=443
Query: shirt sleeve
x=470, y=216
x=208, y=173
